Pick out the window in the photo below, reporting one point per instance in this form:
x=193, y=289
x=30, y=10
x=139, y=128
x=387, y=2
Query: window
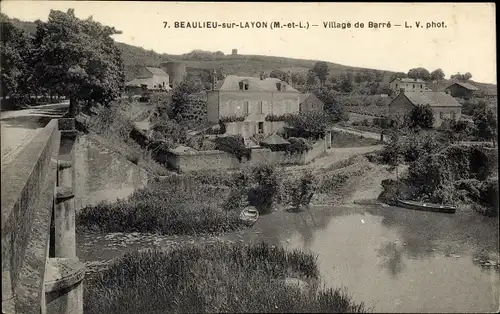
x=246, y=86
x=421, y=86
x=245, y=107
x=396, y=85
x=261, y=127
x=241, y=85
x=453, y=115
x=278, y=86
x=261, y=109
x=413, y=86
x=163, y=84
x=441, y=115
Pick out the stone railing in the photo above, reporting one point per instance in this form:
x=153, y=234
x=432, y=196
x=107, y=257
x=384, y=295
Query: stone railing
x=40, y=270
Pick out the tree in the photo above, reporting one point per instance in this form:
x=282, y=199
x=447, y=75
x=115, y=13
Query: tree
x=420, y=116
x=419, y=73
x=13, y=49
x=346, y=82
x=398, y=75
x=279, y=74
x=332, y=106
x=485, y=122
x=461, y=77
x=311, y=78
x=437, y=75
x=262, y=195
x=299, y=78
x=79, y=59
x=321, y=70
x=183, y=99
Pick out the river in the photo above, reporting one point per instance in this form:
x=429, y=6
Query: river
x=394, y=260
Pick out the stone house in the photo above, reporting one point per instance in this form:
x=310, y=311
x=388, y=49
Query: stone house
x=408, y=85
x=310, y=103
x=150, y=79
x=443, y=105
x=461, y=90
x=251, y=99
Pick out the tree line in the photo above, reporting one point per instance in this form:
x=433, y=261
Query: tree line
x=66, y=56
x=436, y=75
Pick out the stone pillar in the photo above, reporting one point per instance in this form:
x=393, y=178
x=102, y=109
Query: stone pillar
x=64, y=215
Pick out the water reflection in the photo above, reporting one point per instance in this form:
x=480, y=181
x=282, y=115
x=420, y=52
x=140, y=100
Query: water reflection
x=391, y=255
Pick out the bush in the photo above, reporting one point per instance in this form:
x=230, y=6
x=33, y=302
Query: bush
x=420, y=117
x=219, y=278
x=167, y=209
x=311, y=122
x=234, y=145
x=232, y=119
x=277, y=118
x=263, y=193
x=298, y=145
x=302, y=190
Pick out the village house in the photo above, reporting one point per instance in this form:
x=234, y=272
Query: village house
x=443, y=105
x=408, y=85
x=310, y=103
x=461, y=90
x=149, y=79
x=253, y=99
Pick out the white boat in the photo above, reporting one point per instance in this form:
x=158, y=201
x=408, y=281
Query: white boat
x=249, y=215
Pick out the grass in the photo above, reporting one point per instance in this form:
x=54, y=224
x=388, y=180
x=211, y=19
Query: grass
x=219, y=278
x=163, y=208
x=343, y=139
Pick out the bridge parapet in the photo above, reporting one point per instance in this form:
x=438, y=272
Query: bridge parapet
x=38, y=226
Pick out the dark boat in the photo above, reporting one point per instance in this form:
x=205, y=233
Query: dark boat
x=426, y=206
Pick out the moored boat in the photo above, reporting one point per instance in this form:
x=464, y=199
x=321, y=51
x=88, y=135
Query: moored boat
x=249, y=215
x=430, y=207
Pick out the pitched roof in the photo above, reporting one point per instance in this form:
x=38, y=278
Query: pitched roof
x=465, y=85
x=434, y=99
x=231, y=83
x=157, y=71
x=149, y=82
x=275, y=139
x=304, y=97
x=408, y=80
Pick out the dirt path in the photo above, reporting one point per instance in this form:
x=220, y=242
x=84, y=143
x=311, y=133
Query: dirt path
x=334, y=157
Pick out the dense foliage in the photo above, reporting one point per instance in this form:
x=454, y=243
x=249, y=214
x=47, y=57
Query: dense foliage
x=312, y=122
x=66, y=56
x=233, y=144
x=420, y=117
x=218, y=278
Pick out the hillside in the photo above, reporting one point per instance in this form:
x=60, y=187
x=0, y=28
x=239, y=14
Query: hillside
x=244, y=65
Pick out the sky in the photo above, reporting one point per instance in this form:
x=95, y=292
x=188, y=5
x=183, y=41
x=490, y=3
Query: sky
x=466, y=44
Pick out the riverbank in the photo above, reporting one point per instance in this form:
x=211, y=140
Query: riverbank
x=213, y=279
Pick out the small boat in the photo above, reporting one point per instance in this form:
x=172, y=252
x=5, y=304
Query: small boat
x=430, y=207
x=249, y=215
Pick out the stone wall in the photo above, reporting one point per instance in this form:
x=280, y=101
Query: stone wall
x=103, y=174
x=217, y=160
